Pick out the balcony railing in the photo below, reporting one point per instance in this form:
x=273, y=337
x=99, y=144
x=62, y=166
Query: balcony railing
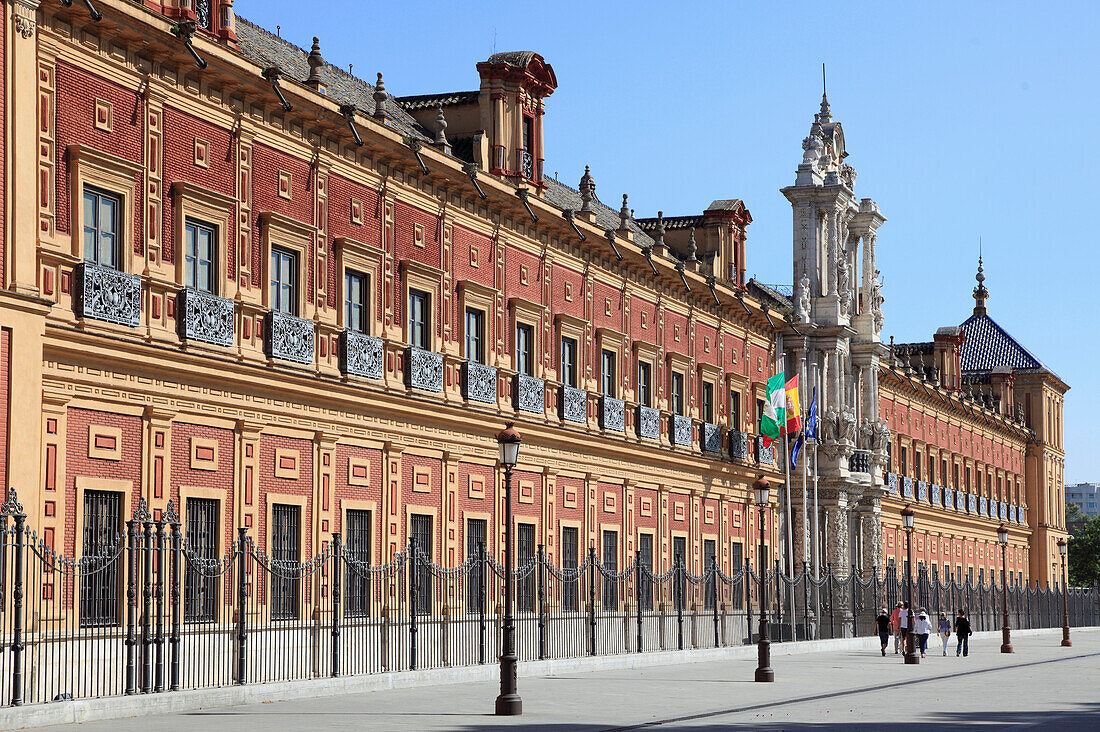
x=527, y=164
x=906, y=487
x=948, y=497
x=1002, y=510
x=288, y=337
x=960, y=501
x=573, y=404
x=423, y=369
x=106, y=294
x=765, y=455
x=529, y=394
x=739, y=445
x=860, y=462
x=922, y=491
x=937, y=495
x=479, y=382
x=712, y=438
x=680, y=430
x=612, y=414
x=972, y=503
x=202, y=316
x=648, y=422
x=892, y=482
x=360, y=354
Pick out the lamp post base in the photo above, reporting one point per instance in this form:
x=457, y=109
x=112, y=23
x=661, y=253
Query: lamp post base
x=1006, y=648
x=1066, y=642
x=509, y=705
x=911, y=655
x=765, y=674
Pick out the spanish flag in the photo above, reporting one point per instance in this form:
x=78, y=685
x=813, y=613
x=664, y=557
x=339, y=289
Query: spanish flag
x=794, y=423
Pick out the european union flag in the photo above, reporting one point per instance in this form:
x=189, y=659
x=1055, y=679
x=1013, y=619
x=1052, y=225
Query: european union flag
x=809, y=431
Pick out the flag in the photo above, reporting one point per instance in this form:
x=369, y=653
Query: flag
x=811, y=418
x=793, y=422
x=775, y=405
x=797, y=449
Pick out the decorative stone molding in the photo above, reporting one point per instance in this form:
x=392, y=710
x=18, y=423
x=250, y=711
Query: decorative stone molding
x=288, y=337
x=739, y=445
x=423, y=369
x=680, y=430
x=648, y=422
x=479, y=382
x=529, y=394
x=612, y=414
x=573, y=404
x=24, y=17
x=361, y=354
x=107, y=294
x=204, y=317
x=711, y=438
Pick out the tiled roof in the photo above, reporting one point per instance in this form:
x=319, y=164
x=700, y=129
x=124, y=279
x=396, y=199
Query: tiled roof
x=988, y=346
x=519, y=59
x=431, y=101
x=774, y=297
x=672, y=222
x=266, y=49
x=565, y=197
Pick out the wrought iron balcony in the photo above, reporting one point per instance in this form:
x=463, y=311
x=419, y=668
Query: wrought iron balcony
x=647, y=421
x=739, y=445
x=960, y=501
x=106, y=294
x=529, y=394
x=948, y=497
x=360, y=354
x=202, y=316
x=906, y=487
x=1002, y=510
x=972, y=503
x=612, y=414
x=860, y=462
x=479, y=382
x=937, y=495
x=892, y=482
x=983, y=506
x=764, y=455
x=679, y=430
x=573, y=404
x=712, y=438
x=423, y=369
x=288, y=337
x=527, y=165
x=922, y=491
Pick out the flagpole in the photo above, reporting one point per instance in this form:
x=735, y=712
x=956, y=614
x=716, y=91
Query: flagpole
x=805, y=496
x=817, y=530
x=787, y=481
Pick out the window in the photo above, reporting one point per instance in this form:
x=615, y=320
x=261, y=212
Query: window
x=645, y=555
x=760, y=418
x=735, y=410
x=420, y=531
x=524, y=345
x=99, y=582
x=285, y=560
x=904, y=464
x=955, y=476
x=611, y=566
x=101, y=227
x=679, y=555
x=710, y=591
x=419, y=319
x=200, y=589
x=676, y=399
x=198, y=255
x=707, y=398
x=525, y=553
x=356, y=301
x=932, y=468
x=284, y=281
x=569, y=587
x=568, y=362
x=607, y=373
x=357, y=549
x=475, y=543
x=737, y=561
x=968, y=480
x=916, y=465
x=645, y=384
x=475, y=335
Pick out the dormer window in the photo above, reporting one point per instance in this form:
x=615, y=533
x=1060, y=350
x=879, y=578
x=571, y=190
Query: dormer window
x=527, y=153
x=204, y=14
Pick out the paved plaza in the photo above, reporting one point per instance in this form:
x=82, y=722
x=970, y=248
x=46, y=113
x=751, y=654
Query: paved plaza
x=1041, y=685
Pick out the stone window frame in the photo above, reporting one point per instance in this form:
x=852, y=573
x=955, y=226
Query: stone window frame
x=570, y=326
x=84, y=483
x=609, y=339
x=736, y=383
x=208, y=207
x=647, y=353
x=437, y=529
x=305, y=523
x=89, y=167
x=681, y=364
x=222, y=497
x=474, y=296
x=423, y=277
x=712, y=375
x=525, y=312
x=280, y=231
x=376, y=523
x=365, y=259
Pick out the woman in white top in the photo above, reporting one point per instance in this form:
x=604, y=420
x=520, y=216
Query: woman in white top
x=923, y=628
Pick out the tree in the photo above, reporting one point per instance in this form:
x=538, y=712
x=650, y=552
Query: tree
x=1084, y=554
x=1075, y=518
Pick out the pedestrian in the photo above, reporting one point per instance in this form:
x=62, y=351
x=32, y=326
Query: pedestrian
x=923, y=628
x=962, y=632
x=895, y=626
x=882, y=627
x=944, y=630
x=902, y=627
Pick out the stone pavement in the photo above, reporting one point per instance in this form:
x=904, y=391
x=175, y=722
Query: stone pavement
x=1041, y=685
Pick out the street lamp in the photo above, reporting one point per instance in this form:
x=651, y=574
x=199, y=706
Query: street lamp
x=1006, y=634
x=508, y=703
x=761, y=490
x=907, y=518
x=1065, y=606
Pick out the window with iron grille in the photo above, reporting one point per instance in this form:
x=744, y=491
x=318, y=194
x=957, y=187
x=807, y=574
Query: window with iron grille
x=357, y=549
x=569, y=589
x=285, y=561
x=711, y=588
x=737, y=561
x=476, y=530
x=679, y=554
x=525, y=552
x=99, y=580
x=611, y=566
x=420, y=530
x=200, y=588
x=645, y=551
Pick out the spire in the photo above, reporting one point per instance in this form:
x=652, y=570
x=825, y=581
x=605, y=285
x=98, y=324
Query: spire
x=980, y=293
x=380, y=97
x=624, y=216
x=315, y=63
x=691, y=247
x=587, y=190
x=440, y=128
x=826, y=115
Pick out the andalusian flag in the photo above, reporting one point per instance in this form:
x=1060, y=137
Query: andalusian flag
x=775, y=407
x=794, y=423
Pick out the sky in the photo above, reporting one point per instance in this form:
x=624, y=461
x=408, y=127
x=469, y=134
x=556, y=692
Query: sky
x=964, y=121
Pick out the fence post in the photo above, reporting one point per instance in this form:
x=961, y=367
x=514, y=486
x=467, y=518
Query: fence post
x=158, y=638
x=542, y=601
x=714, y=607
x=855, y=612
x=746, y=584
x=414, y=599
x=778, y=601
x=829, y=582
x=481, y=601
x=638, y=596
x=679, y=579
x=592, y=600
x=13, y=507
x=242, y=593
x=806, y=600
x=146, y=602
x=173, y=519
x=131, y=606
x=337, y=570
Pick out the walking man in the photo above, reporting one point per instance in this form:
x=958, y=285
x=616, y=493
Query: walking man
x=962, y=631
x=895, y=626
x=882, y=627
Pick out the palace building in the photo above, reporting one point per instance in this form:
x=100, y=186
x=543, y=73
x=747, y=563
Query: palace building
x=240, y=279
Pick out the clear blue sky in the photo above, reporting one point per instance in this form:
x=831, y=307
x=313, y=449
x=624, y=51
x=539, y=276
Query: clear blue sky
x=963, y=120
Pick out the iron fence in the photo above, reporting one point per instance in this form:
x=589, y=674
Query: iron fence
x=153, y=608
